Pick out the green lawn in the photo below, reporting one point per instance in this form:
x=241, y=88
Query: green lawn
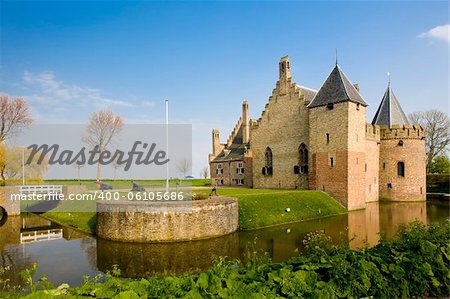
x=257, y=208
x=80, y=215
x=267, y=207
x=126, y=184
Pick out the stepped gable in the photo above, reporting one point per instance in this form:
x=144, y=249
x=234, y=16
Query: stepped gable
x=390, y=112
x=336, y=89
x=234, y=149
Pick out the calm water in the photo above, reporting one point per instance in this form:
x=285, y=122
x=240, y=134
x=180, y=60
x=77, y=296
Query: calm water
x=65, y=255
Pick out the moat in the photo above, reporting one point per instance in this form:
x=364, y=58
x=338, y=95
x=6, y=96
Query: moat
x=65, y=255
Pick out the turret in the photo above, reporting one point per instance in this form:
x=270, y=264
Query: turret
x=402, y=152
x=285, y=74
x=217, y=147
x=245, y=123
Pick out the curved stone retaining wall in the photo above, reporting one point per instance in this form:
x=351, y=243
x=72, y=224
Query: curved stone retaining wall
x=145, y=222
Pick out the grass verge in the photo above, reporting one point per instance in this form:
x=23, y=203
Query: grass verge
x=267, y=207
x=257, y=208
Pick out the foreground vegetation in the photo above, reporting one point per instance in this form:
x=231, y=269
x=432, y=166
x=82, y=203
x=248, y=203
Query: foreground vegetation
x=413, y=264
x=257, y=208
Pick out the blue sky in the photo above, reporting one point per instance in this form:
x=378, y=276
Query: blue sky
x=71, y=58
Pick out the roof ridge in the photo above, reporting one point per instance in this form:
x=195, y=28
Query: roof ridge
x=340, y=72
x=335, y=89
x=390, y=111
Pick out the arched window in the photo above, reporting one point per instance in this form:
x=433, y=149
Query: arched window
x=269, y=157
x=401, y=169
x=303, y=158
x=267, y=169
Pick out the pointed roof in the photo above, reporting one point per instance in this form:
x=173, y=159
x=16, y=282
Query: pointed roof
x=336, y=88
x=390, y=112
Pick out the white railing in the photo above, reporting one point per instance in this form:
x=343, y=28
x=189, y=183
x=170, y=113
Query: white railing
x=41, y=235
x=43, y=189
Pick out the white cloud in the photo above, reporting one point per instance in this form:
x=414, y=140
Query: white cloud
x=148, y=104
x=48, y=90
x=439, y=32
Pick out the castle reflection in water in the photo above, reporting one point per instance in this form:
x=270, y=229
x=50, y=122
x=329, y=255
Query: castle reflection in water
x=359, y=228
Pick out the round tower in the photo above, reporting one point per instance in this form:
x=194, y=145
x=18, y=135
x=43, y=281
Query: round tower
x=403, y=163
x=402, y=153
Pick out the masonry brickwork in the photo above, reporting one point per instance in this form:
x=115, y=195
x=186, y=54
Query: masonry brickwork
x=403, y=145
x=320, y=140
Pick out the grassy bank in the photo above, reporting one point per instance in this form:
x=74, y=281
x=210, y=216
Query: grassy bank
x=64, y=214
x=257, y=208
x=413, y=264
x=267, y=207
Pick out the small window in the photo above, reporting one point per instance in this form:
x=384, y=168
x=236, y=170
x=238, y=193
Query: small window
x=331, y=161
x=330, y=106
x=240, y=168
x=389, y=186
x=400, y=143
x=357, y=107
x=421, y=190
x=328, y=138
x=365, y=167
x=401, y=169
x=219, y=169
x=239, y=182
x=384, y=165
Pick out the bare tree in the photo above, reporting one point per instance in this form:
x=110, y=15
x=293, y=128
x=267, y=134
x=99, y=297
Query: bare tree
x=102, y=127
x=436, y=124
x=184, y=167
x=15, y=115
x=205, y=172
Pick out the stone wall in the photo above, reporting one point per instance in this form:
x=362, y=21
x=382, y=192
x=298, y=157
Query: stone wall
x=230, y=175
x=407, y=146
x=283, y=126
x=11, y=207
x=371, y=169
x=148, y=222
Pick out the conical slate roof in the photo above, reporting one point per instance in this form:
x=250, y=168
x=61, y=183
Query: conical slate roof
x=390, y=112
x=336, y=89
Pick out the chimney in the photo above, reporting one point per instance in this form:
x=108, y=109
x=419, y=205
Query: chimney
x=245, y=123
x=216, y=147
x=285, y=68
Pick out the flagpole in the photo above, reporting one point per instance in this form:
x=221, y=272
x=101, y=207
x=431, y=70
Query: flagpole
x=23, y=167
x=167, y=145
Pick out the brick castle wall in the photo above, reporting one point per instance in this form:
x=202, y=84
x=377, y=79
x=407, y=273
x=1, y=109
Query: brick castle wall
x=407, y=145
x=345, y=146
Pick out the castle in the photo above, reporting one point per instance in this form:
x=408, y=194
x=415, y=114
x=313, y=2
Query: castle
x=319, y=140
